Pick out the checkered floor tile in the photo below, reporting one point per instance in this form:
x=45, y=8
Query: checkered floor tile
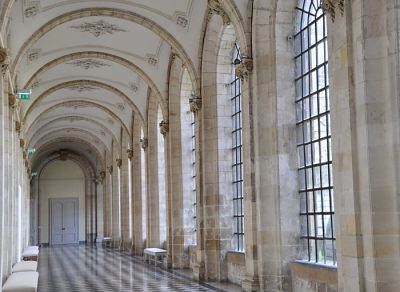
x=73, y=268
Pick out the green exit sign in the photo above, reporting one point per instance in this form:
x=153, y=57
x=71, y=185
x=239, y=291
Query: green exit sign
x=24, y=94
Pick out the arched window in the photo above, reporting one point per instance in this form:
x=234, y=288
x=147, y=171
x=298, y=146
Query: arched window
x=161, y=183
x=188, y=160
x=237, y=153
x=144, y=189
x=313, y=133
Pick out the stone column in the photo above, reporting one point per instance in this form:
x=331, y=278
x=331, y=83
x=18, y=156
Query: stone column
x=137, y=244
x=174, y=167
x=153, y=237
x=364, y=80
x=124, y=200
x=250, y=281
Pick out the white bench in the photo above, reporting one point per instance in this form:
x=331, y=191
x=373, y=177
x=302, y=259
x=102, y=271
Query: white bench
x=30, y=254
x=107, y=241
x=22, y=282
x=156, y=253
x=25, y=266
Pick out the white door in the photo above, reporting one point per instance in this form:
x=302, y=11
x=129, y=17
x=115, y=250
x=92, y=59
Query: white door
x=64, y=221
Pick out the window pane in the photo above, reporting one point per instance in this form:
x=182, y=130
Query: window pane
x=314, y=133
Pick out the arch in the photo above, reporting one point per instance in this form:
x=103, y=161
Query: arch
x=117, y=13
x=56, y=141
x=76, y=130
x=90, y=192
x=83, y=82
x=104, y=56
x=73, y=102
x=80, y=118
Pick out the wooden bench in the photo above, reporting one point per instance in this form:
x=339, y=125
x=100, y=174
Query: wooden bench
x=156, y=253
x=25, y=266
x=22, y=282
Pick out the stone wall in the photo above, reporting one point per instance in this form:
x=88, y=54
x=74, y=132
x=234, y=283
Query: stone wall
x=311, y=277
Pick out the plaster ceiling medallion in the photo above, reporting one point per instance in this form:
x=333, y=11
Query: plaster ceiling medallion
x=133, y=87
x=88, y=64
x=152, y=59
x=36, y=83
x=121, y=106
x=31, y=8
x=82, y=88
x=181, y=19
x=33, y=54
x=98, y=28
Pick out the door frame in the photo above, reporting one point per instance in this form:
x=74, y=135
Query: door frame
x=76, y=199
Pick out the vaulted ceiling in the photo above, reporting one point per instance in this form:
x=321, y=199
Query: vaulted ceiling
x=91, y=64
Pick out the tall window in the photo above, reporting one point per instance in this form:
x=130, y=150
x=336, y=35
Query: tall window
x=193, y=166
x=144, y=189
x=314, y=134
x=237, y=154
x=162, y=202
x=188, y=145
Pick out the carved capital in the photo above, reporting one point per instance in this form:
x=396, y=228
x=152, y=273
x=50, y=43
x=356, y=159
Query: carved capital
x=145, y=143
x=3, y=55
x=102, y=175
x=216, y=7
x=244, y=68
x=22, y=143
x=110, y=169
x=12, y=100
x=330, y=7
x=130, y=153
x=195, y=103
x=17, y=126
x=119, y=162
x=4, y=60
x=164, y=128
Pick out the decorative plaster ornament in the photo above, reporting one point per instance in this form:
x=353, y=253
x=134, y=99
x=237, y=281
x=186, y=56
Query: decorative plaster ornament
x=98, y=28
x=88, y=64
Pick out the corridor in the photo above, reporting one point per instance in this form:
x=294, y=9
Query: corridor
x=90, y=268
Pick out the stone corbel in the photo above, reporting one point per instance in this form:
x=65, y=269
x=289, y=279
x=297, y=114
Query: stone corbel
x=244, y=68
x=17, y=126
x=164, y=128
x=330, y=7
x=145, y=143
x=110, y=169
x=4, y=60
x=102, y=176
x=216, y=7
x=12, y=100
x=195, y=103
x=24, y=154
x=119, y=162
x=130, y=153
x=22, y=143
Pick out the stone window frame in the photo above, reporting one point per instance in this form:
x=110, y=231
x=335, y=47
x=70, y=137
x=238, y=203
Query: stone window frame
x=314, y=134
x=162, y=182
x=144, y=186
x=237, y=152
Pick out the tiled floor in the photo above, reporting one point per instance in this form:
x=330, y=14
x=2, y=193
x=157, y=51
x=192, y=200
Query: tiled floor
x=89, y=268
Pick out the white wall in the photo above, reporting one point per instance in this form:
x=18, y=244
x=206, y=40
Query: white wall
x=61, y=179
